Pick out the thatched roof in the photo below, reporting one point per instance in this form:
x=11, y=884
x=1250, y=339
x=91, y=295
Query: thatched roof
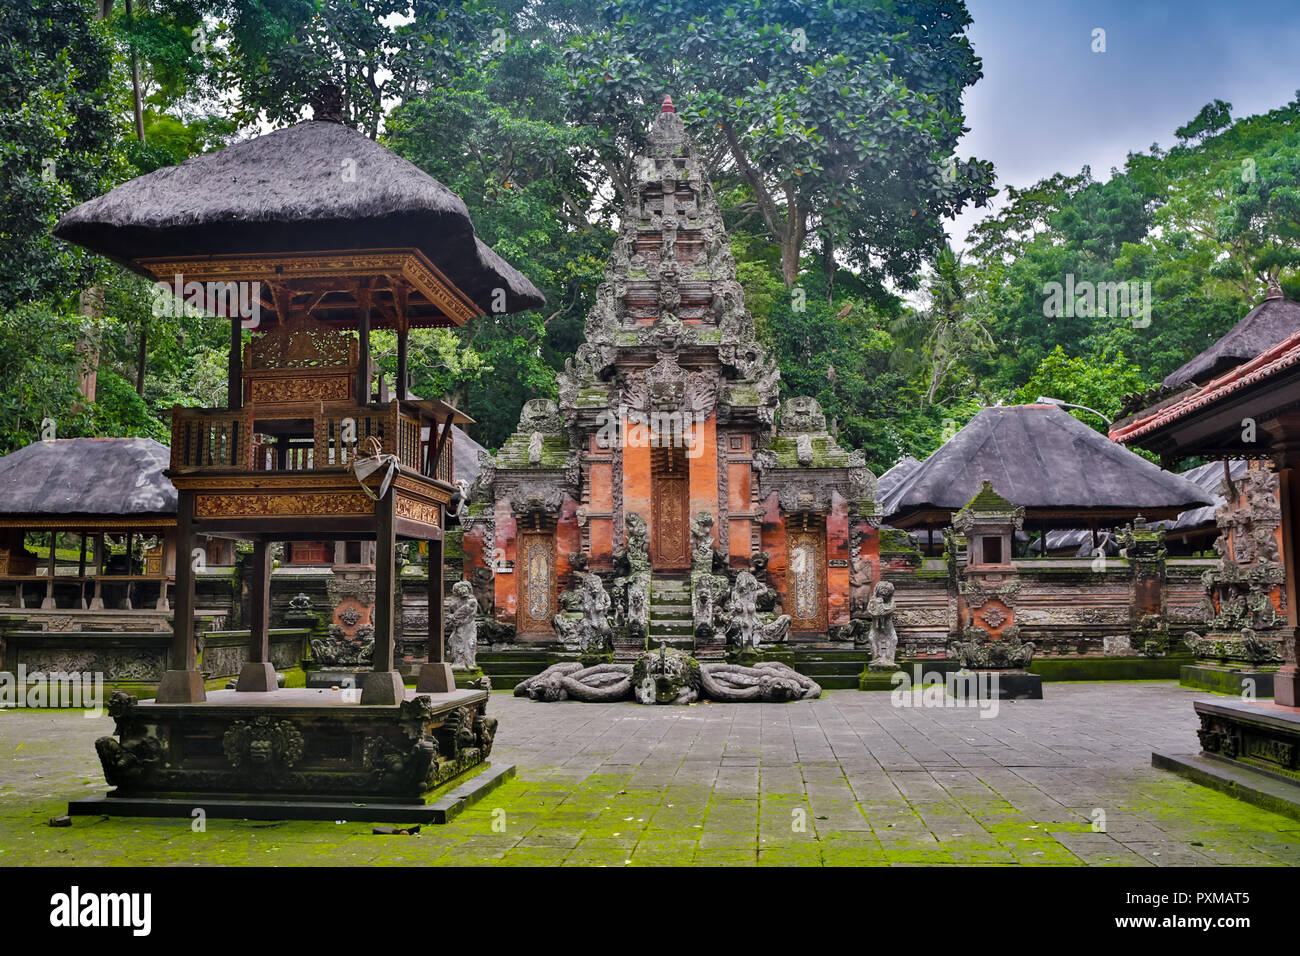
x=895, y=476
x=464, y=453
x=1208, y=477
x=1040, y=458
x=1264, y=326
x=317, y=186
x=91, y=477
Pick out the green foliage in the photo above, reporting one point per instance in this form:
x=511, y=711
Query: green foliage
x=840, y=117
x=1098, y=385
x=58, y=142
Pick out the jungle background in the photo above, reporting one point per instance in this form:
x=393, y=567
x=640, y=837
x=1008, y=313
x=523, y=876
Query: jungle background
x=829, y=129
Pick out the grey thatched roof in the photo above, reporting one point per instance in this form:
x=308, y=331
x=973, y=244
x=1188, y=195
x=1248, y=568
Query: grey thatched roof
x=464, y=453
x=1264, y=326
x=316, y=186
x=94, y=477
x=892, y=478
x=1041, y=458
x=1208, y=477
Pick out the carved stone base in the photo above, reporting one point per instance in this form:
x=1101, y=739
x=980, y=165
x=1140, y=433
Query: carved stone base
x=293, y=744
x=181, y=687
x=435, y=678
x=382, y=687
x=1257, y=734
x=1286, y=690
x=257, y=677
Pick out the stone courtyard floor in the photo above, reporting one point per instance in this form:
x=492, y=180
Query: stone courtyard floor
x=845, y=780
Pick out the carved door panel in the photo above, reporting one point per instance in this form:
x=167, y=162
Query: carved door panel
x=670, y=535
x=805, y=600
x=535, y=577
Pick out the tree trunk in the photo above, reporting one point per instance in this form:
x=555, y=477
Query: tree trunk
x=828, y=266
x=136, y=103
x=92, y=305
x=142, y=358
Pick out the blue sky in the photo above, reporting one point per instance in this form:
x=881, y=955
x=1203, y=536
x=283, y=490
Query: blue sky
x=1047, y=103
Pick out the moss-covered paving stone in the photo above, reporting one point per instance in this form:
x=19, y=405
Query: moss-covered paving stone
x=847, y=780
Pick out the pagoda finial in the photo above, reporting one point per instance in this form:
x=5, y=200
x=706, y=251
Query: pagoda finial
x=327, y=103
x=668, y=105
x=1274, y=288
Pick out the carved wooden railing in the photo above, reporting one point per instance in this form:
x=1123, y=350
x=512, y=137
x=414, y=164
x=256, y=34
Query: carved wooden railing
x=327, y=437
x=211, y=439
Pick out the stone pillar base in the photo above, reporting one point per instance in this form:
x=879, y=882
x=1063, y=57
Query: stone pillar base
x=181, y=687
x=257, y=675
x=435, y=678
x=1285, y=691
x=383, y=687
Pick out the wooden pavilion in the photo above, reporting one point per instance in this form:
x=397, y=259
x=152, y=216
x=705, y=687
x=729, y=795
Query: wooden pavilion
x=1247, y=411
x=1063, y=473
x=89, y=490
x=310, y=237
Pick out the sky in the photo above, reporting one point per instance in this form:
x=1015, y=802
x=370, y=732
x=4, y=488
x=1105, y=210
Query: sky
x=1048, y=103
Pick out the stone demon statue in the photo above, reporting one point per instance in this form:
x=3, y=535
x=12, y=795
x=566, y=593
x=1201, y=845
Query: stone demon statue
x=668, y=677
x=591, y=632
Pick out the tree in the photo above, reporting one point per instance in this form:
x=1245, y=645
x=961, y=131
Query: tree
x=946, y=336
x=58, y=127
x=839, y=117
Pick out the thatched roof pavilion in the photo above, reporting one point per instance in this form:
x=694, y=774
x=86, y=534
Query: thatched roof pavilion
x=270, y=207
x=69, y=481
x=1040, y=458
x=1273, y=320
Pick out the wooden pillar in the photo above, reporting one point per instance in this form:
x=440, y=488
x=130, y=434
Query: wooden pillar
x=436, y=676
x=235, y=367
x=162, y=603
x=81, y=568
x=48, y=602
x=363, y=348
x=183, y=684
x=383, y=685
x=401, y=384
x=258, y=674
x=97, y=596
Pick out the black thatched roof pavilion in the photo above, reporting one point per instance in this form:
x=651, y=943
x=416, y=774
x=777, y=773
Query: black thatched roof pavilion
x=61, y=482
x=88, y=487
x=1274, y=319
x=327, y=232
x=1040, y=458
x=317, y=187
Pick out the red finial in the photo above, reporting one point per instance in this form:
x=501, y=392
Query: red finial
x=668, y=105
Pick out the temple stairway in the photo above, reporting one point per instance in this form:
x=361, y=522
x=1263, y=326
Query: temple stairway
x=834, y=669
x=670, y=612
x=508, y=667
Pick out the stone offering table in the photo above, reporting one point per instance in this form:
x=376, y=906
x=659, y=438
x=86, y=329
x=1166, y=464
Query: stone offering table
x=290, y=754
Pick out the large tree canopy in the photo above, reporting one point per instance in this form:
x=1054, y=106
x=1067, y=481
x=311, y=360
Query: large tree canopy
x=839, y=117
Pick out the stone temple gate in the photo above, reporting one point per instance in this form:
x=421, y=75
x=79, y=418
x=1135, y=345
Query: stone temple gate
x=664, y=482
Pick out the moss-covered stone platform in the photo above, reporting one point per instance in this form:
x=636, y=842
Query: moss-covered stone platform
x=845, y=780
x=290, y=754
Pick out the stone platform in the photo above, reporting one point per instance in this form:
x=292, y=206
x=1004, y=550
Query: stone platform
x=1260, y=735
x=288, y=754
x=1227, y=680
